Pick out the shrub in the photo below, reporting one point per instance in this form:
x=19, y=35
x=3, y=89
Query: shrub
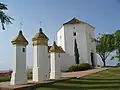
x=73, y=68
x=79, y=67
x=118, y=65
x=29, y=75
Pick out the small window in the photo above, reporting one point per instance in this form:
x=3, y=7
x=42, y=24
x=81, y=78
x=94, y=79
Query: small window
x=60, y=37
x=23, y=49
x=74, y=33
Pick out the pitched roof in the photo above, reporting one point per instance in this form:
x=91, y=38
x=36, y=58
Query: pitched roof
x=20, y=39
x=61, y=50
x=76, y=21
x=40, y=35
x=56, y=49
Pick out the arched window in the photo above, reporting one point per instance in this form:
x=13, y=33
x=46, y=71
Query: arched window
x=60, y=37
x=23, y=49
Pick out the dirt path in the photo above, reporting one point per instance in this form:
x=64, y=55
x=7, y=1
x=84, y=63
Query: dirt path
x=82, y=73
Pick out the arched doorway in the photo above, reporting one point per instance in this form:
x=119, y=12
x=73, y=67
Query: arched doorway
x=92, y=59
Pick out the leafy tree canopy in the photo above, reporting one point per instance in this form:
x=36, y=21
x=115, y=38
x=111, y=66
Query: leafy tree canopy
x=5, y=19
x=117, y=44
x=105, y=45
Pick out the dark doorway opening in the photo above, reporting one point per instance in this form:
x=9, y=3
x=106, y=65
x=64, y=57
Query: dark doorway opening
x=92, y=59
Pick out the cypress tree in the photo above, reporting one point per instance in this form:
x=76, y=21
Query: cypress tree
x=76, y=52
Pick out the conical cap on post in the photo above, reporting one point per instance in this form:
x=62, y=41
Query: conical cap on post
x=40, y=38
x=56, y=49
x=19, y=40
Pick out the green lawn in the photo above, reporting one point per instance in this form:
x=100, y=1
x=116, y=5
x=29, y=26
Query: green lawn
x=4, y=78
x=105, y=80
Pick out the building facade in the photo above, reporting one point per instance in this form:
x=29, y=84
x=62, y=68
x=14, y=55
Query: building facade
x=49, y=61
x=83, y=33
x=19, y=74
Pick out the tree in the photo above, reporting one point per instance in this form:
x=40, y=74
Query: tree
x=117, y=44
x=5, y=19
x=76, y=52
x=3, y=7
x=105, y=45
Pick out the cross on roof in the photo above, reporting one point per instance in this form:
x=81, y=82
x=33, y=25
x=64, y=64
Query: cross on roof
x=40, y=24
x=21, y=26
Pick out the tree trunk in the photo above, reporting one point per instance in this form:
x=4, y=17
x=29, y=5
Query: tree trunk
x=104, y=63
x=77, y=60
x=119, y=54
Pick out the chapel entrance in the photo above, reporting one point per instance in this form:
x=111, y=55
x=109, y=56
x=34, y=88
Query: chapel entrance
x=92, y=59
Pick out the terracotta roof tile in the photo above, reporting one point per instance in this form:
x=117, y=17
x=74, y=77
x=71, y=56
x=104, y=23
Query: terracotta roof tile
x=61, y=50
x=20, y=39
x=56, y=49
x=74, y=21
x=40, y=35
x=77, y=21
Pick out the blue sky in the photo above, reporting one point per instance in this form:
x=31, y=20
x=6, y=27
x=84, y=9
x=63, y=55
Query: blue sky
x=103, y=14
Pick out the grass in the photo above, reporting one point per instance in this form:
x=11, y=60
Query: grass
x=4, y=78
x=105, y=80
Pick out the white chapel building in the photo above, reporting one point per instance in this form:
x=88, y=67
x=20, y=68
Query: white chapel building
x=49, y=61
x=83, y=33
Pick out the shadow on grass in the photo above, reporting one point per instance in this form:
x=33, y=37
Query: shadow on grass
x=85, y=85
x=93, y=82
x=59, y=87
x=108, y=81
x=98, y=79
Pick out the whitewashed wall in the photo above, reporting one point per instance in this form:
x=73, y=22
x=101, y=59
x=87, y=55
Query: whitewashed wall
x=19, y=66
x=91, y=46
x=40, y=63
x=65, y=61
x=61, y=38
x=83, y=42
x=55, y=66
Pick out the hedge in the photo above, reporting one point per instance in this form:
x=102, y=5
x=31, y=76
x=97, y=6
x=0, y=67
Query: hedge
x=79, y=67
